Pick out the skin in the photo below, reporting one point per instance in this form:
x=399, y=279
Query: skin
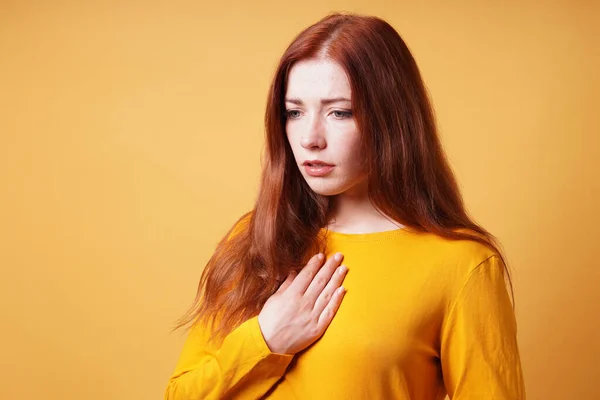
x=320, y=125
x=301, y=310
x=327, y=131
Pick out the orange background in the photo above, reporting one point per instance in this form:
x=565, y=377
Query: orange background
x=130, y=141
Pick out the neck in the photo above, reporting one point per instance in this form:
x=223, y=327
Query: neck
x=353, y=212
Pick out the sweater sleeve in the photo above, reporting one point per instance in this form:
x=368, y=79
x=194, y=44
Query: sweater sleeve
x=479, y=352
x=241, y=367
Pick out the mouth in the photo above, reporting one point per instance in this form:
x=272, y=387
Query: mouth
x=318, y=170
x=316, y=164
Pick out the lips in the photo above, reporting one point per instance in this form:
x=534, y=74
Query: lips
x=317, y=163
x=318, y=169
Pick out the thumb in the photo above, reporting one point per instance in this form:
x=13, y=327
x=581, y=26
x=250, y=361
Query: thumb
x=287, y=282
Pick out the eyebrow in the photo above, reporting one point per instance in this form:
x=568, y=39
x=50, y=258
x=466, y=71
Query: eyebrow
x=299, y=102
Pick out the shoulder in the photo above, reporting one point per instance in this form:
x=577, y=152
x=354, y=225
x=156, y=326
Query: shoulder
x=458, y=250
x=455, y=260
x=461, y=266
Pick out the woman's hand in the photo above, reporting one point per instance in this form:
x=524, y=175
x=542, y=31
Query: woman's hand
x=297, y=314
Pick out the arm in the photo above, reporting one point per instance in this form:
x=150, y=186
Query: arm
x=479, y=353
x=242, y=366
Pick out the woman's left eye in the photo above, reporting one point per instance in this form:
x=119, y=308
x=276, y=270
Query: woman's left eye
x=342, y=114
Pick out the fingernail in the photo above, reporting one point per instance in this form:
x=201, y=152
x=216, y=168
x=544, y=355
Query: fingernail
x=320, y=256
x=342, y=269
x=338, y=256
x=341, y=290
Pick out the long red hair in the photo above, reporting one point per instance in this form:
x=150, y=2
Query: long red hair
x=409, y=177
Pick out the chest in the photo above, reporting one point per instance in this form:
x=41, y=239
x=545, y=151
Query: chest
x=391, y=314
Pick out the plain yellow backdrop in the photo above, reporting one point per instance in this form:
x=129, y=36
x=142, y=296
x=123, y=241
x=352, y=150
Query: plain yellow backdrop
x=131, y=136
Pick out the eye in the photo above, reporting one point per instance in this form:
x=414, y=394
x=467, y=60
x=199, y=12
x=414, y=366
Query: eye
x=292, y=114
x=342, y=114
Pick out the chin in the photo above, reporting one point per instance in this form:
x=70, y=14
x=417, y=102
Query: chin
x=326, y=192
x=324, y=188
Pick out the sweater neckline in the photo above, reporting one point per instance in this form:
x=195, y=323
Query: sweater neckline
x=364, y=237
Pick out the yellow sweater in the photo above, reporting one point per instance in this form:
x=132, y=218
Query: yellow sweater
x=423, y=317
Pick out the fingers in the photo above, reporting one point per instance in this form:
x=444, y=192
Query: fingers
x=325, y=297
x=322, y=277
x=305, y=276
x=332, y=308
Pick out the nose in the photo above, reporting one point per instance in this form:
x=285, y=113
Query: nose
x=314, y=135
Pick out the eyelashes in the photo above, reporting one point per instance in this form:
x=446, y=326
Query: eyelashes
x=344, y=114
x=338, y=114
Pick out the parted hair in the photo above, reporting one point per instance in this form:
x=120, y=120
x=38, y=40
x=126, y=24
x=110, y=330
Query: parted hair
x=409, y=178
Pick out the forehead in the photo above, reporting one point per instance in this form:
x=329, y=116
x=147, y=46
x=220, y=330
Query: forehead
x=317, y=78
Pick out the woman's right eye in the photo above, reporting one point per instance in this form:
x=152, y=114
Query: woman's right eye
x=292, y=113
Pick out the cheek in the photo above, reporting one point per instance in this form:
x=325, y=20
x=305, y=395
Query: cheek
x=290, y=133
x=351, y=152
x=293, y=145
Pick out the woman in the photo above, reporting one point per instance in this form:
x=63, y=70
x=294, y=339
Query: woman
x=354, y=171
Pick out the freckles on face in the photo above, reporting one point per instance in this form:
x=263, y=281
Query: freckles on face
x=320, y=125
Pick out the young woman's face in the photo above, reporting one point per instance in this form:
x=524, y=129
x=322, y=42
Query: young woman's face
x=320, y=126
